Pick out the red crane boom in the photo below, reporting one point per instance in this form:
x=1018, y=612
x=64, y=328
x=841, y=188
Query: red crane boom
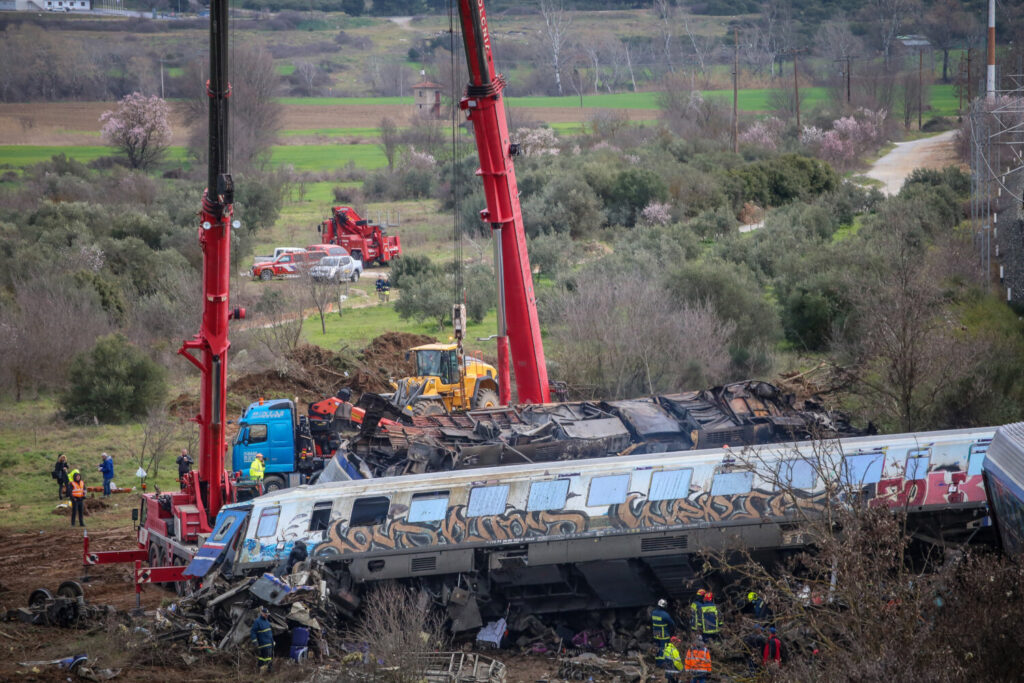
x=517, y=303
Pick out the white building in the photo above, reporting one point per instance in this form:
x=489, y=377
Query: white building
x=46, y=5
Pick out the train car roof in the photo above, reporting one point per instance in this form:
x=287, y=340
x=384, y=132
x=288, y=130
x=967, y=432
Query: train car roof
x=442, y=480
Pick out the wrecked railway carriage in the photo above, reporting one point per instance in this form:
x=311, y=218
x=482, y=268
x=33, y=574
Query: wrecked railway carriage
x=739, y=414
x=600, y=533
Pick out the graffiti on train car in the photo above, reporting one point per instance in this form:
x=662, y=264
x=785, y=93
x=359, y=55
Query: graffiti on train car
x=938, y=488
x=455, y=528
x=638, y=512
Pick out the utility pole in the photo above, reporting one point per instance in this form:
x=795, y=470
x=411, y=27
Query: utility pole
x=796, y=88
x=848, y=59
x=735, y=91
x=920, y=86
x=990, y=72
x=970, y=96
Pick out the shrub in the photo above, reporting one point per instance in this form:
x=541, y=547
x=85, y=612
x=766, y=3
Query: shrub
x=113, y=382
x=409, y=268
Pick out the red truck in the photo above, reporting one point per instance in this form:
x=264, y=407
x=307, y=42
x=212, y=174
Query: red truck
x=364, y=240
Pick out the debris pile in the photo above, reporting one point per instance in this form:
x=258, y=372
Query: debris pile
x=738, y=414
x=219, y=615
x=588, y=666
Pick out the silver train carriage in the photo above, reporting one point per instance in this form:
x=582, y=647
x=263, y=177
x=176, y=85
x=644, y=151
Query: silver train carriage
x=600, y=533
x=1004, y=482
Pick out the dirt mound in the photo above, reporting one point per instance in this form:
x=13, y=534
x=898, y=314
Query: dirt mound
x=385, y=358
x=312, y=372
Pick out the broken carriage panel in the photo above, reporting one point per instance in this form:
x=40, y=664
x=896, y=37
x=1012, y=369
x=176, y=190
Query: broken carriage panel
x=229, y=521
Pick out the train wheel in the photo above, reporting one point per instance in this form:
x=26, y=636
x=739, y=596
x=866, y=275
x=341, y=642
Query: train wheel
x=71, y=589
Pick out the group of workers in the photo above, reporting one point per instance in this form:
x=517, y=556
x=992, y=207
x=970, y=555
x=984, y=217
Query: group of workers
x=383, y=288
x=766, y=649
x=71, y=484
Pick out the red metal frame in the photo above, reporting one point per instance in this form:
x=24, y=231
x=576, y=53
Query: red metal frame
x=484, y=106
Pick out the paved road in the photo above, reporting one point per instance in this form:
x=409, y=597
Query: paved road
x=934, y=152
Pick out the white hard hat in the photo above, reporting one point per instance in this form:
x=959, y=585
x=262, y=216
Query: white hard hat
x=662, y=603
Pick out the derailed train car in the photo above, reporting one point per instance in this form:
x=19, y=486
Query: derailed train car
x=599, y=533
x=738, y=414
x=1004, y=482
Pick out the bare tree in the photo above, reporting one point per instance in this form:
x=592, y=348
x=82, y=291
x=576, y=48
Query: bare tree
x=556, y=33
x=307, y=73
x=682, y=345
x=256, y=115
x=46, y=322
x=888, y=17
x=703, y=50
x=946, y=24
x=277, y=323
x=320, y=292
x=836, y=41
x=665, y=12
x=902, y=341
x=160, y=433
x=389, y=140
x=400, y=627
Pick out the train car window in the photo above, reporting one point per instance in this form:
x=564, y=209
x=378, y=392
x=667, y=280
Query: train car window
x=860, y=470
x=670, y=485
x=428, y=507
x=268, y=522
x=257, y=433
x=487, y=500
x=321, y=517
x=796, y=474
x=370, y=511
x=222, y=531
x=917, y=465
x=548, y=495
x=732, y=483
x=976, y=459
x=608, y=490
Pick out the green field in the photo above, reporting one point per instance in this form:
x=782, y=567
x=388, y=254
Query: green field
x=302, y=157
x=337, y=132
x=326, y=157
x=944, y=100
x=356, y=327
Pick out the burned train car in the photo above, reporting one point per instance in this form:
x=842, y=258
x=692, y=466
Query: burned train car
x=739, y=414
x=598, y=533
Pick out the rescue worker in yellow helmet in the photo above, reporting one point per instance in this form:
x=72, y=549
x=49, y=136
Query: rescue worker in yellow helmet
x=695, y=611
x=256, y=469
x=671, y=660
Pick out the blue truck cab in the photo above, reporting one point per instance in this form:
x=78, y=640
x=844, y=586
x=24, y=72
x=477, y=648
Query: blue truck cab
x=269, y=428
x=275, y=430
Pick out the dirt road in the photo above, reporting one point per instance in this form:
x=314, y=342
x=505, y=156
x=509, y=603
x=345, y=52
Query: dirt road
x=934, y=152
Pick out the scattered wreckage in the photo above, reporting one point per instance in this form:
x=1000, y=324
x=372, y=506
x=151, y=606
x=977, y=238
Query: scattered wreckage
x=739, y=414
x=65, y=608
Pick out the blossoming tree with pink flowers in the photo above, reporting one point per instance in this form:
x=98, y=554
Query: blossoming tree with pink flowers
x=139, y=128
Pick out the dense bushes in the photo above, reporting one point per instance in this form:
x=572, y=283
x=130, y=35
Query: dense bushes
x=114, y=382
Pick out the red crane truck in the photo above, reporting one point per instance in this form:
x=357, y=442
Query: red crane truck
x=364, y=240
x=517, y=303
x=172, y=525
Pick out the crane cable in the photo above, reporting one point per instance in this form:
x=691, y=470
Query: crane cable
x=459, y=294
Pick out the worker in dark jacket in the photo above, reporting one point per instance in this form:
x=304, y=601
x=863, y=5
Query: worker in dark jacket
x=107, y=468
x=298, y=554
x=663, y=627
x=710, y=620
x=60, y=473
x=184, y=466
x=263, y=638
x=695, y=610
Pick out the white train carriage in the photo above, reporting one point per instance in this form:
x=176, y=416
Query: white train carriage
x=605, y=532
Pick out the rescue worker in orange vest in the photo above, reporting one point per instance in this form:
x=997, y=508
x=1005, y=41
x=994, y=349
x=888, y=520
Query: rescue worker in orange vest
x=698, y=661
x=78, y=499
x=671, y=660
x=663, y=626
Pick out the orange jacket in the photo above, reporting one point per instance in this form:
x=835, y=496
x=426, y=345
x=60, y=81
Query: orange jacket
x=78, y=489
x=698, y=659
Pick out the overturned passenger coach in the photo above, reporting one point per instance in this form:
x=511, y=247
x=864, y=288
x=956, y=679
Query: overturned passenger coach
x=609, y=532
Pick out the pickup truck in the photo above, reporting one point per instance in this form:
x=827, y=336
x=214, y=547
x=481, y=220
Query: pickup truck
x=286, y=264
